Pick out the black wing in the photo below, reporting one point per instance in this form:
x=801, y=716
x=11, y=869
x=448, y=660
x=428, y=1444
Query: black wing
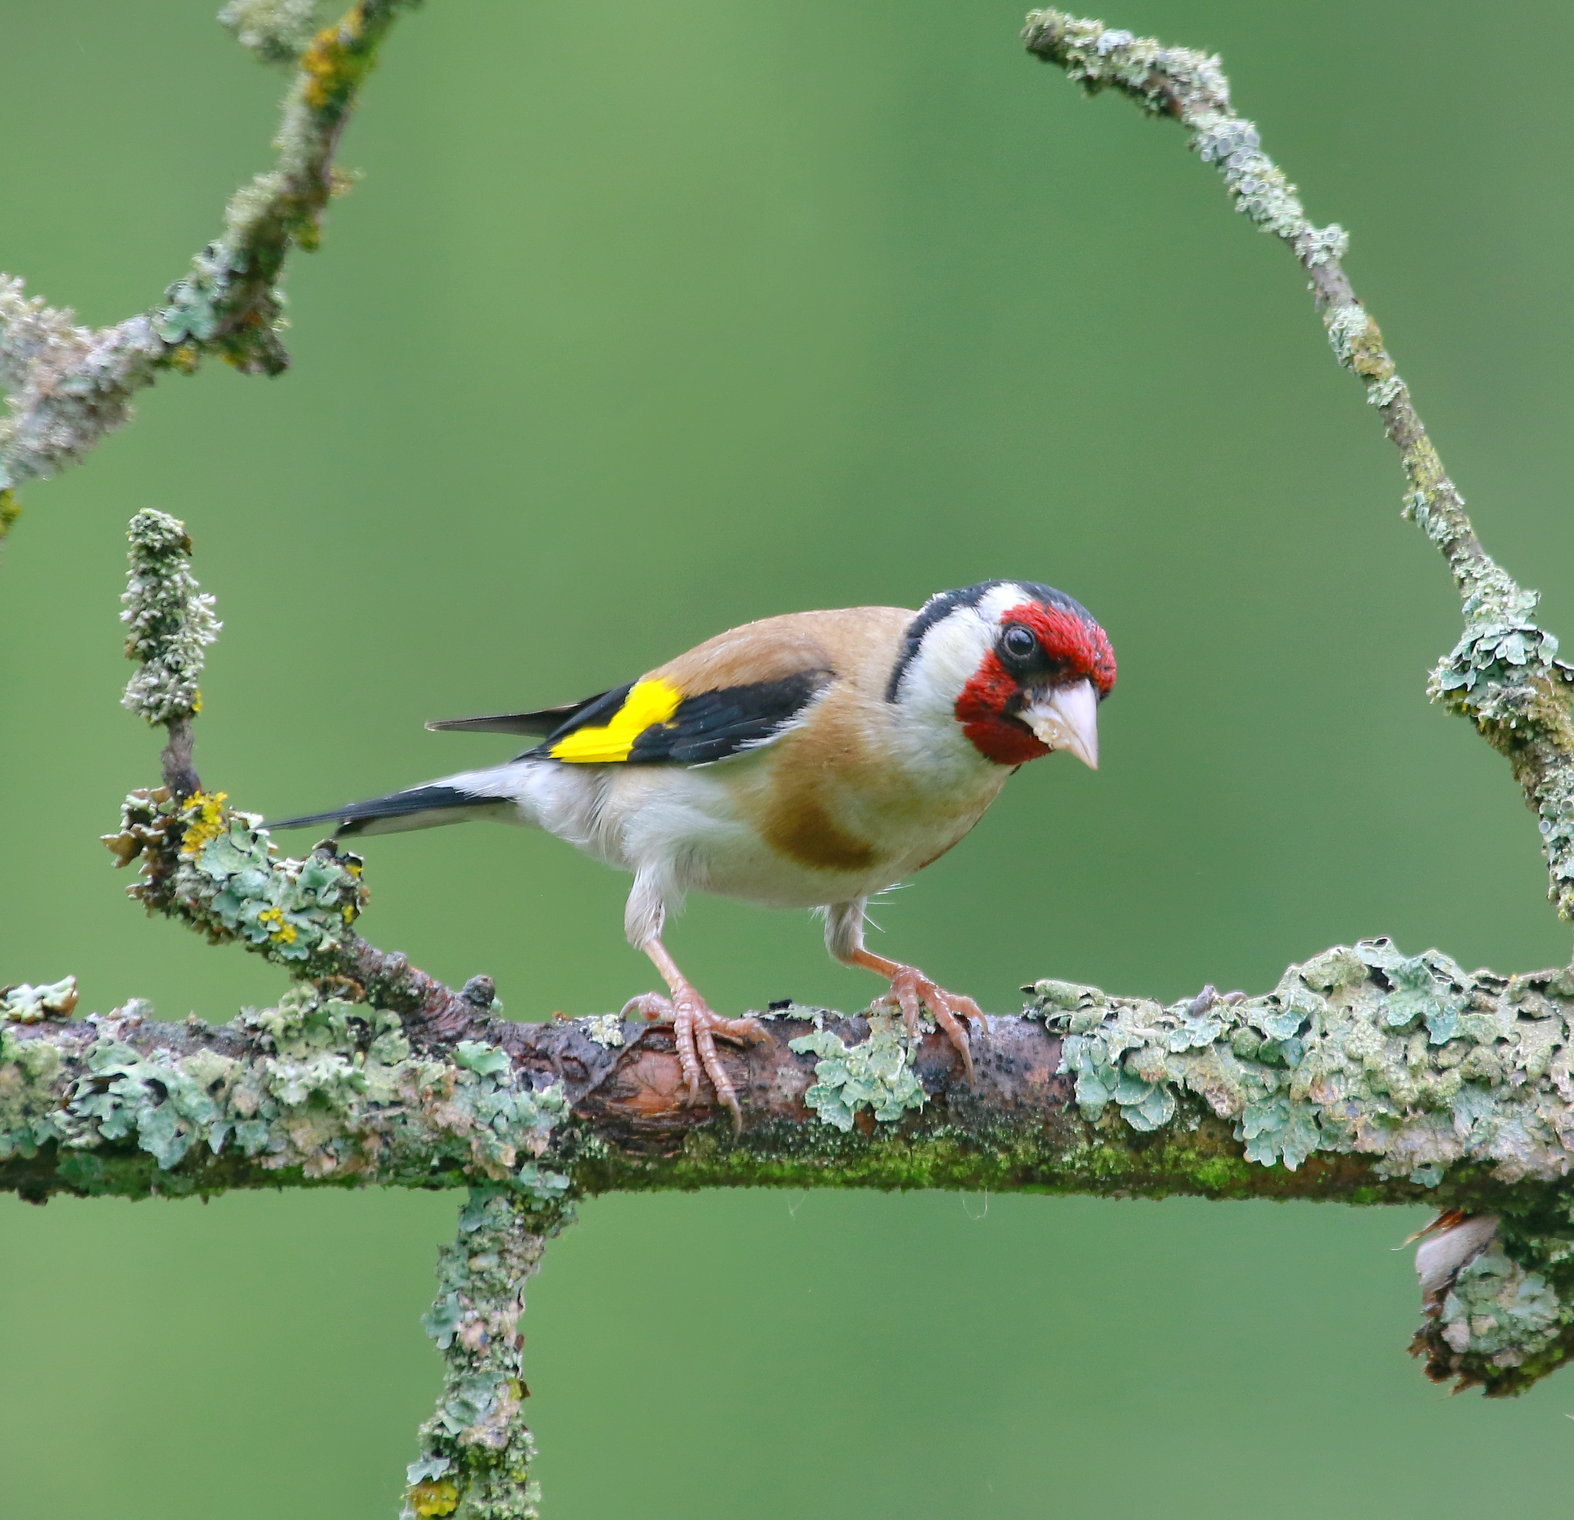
x=715, y=724
x=709, y=725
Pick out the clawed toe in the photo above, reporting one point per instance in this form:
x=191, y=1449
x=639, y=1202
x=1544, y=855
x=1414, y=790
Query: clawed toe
x=695, y=1031
x=648, y=1005
x=911, y=992
x=744, y=1031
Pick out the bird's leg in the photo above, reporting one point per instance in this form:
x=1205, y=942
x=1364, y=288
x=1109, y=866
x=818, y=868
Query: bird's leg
x=695, y=1030
x=910, y=990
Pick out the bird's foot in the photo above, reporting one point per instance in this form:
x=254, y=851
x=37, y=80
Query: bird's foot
x=695, y=1030
x=912, y=991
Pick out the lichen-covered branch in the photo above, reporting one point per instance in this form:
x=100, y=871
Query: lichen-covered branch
x=1503, y=674
x=476, y=1450
x=215, y=869
x=68, y=385
x=1364, y=1076
x=169, y=623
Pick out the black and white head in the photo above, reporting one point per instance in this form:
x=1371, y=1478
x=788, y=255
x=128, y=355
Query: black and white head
x=1019, y=666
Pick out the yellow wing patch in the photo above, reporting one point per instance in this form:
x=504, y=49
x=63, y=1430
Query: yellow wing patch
x=648, y=702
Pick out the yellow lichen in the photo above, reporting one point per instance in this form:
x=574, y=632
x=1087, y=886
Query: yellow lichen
x=325, y=63
x=278, y=930
x=319, y=63
x=434, y=1497
x=205, y=819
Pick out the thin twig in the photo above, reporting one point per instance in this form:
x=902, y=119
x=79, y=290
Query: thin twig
x=1503, y=674
x=169, y=624
x=69, y=385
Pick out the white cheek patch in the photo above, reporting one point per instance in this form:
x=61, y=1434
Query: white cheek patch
x=955, y=647
x=946, y=661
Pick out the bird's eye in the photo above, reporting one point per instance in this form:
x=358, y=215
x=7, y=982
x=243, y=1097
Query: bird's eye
x=1018, y=643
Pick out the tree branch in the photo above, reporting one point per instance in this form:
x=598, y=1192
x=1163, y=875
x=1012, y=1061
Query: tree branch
x=69, y=385
x=169, y=623
x=1365, y=1076
x=1503, y=674
x=476, y=1449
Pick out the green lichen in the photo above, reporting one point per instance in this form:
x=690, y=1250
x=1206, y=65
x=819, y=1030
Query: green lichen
x=169, y=621
x=1487, y=673
x=876, y=1075
x=352, y=1067
x=1498, y=1311
x=217, y=869
x=167, y=1108
x=30, y=1074
x=1363, y=1050
x=1385, y=392
x=194, y=305
x=299, y=908
x=483, y=1059
x=317, y=1086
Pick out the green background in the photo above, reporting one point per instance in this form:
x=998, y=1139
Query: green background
x=648, y=320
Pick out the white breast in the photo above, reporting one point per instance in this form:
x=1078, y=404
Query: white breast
x=694, y=828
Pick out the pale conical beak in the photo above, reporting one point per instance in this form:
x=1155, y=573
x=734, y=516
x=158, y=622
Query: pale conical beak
x=1067, y=717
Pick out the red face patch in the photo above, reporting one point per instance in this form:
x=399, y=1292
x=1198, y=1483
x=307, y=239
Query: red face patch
x=982, y=710
x=1081, y=646
x=985, y=706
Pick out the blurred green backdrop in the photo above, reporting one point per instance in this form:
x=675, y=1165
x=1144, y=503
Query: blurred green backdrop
x=650, y=320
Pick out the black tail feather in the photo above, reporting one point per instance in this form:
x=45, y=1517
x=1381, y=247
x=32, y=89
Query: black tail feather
x=355, y=817
x=545, y=721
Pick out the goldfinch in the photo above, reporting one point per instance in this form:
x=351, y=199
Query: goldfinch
x=803, y=761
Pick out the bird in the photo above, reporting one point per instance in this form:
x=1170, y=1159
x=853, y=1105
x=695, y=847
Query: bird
x=806, y=760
